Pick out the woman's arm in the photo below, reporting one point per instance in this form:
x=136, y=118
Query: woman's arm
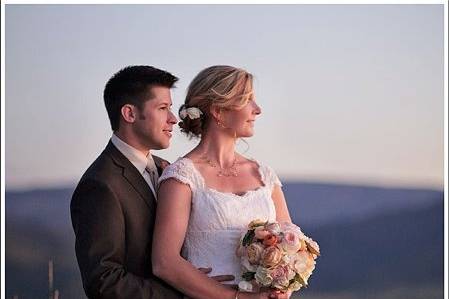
x=278, y=197
x=172, y=218
x=282, y=215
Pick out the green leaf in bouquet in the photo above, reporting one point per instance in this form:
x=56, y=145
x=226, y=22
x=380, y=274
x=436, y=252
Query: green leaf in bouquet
x=301, y=280
x=256, y=223
x=248, y=238
x=248, y=276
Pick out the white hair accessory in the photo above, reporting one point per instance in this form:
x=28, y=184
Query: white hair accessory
x=192, y=113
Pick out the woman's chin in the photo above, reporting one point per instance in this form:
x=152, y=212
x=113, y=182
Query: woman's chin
x=247, y=134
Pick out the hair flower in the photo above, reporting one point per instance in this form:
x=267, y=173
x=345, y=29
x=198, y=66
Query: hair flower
x=192, y=113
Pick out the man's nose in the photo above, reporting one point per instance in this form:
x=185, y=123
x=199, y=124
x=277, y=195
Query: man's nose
x=172, y=118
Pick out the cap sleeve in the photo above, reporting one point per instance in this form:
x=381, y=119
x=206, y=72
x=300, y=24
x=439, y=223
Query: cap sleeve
x=269, y=177
x=181, y=171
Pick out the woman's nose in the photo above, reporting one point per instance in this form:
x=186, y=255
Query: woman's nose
x=257, y=109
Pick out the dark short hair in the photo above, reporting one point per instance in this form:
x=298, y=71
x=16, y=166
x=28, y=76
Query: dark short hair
x=132, y=85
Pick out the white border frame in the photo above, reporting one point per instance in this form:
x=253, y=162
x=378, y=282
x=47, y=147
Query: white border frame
x=3, y=67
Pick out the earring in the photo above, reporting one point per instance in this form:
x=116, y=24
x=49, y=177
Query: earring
x=220, y=124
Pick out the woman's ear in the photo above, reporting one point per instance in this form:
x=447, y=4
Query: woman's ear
x=215, y=112
x=128, y=113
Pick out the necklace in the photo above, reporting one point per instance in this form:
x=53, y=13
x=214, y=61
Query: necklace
x=226, y=172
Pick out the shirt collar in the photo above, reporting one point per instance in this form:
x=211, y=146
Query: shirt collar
x=136, y=157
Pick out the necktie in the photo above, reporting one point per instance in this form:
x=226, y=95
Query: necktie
x=152, y=171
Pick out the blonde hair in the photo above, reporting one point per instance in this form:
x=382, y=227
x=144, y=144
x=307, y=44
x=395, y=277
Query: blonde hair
x=222, y=86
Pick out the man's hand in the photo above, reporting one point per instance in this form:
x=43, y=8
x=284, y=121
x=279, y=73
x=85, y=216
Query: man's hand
x=219, y=278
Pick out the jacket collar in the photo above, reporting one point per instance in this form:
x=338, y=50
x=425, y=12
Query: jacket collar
x=131, y=174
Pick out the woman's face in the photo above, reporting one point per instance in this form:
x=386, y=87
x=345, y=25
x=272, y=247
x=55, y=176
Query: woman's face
x=242, y=121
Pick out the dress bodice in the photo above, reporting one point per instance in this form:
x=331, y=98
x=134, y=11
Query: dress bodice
x=217, y=219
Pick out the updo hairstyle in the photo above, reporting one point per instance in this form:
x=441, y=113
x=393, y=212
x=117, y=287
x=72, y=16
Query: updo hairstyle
x=222, y=86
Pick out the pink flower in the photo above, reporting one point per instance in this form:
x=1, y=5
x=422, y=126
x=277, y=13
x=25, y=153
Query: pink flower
x=291, y=242
x=280, y=277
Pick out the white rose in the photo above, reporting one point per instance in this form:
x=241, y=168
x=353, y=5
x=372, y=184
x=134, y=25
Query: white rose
x=247, y=265
x=183, y=113
x=194, y=112
x=245, y=286
x=274, y=228
x=263, y=276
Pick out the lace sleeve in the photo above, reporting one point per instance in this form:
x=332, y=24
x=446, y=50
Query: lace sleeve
x=179, y=171
x=269, y=177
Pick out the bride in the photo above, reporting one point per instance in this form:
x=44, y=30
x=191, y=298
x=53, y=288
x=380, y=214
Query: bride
x=207, y=197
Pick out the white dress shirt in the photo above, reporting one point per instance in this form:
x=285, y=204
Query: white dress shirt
x=138, y=159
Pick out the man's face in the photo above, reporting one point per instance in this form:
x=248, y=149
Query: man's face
x=154, y=122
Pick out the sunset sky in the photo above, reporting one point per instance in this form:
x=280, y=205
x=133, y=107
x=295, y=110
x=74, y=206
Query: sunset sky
x=349, y=93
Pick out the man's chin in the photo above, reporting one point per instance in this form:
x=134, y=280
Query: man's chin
x=163, y=145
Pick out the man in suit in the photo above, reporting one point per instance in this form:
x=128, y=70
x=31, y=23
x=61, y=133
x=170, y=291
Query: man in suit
x=113, y=207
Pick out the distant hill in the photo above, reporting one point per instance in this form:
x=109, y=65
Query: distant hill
x=382, y=252
x=316, y=204
x=373, y=240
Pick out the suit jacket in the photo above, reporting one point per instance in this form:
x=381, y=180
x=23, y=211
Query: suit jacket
x=113, y=212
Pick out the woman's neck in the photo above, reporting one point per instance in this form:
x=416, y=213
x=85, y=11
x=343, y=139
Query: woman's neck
x=218, y=147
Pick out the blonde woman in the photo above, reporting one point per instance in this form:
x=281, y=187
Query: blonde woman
x=207, y=197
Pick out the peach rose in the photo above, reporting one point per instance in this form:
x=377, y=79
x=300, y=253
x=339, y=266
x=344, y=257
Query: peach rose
x=271, y=256
x=254, y=252
x=270, y=240
x=304, y=264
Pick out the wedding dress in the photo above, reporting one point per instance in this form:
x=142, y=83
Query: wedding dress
x=217, y=219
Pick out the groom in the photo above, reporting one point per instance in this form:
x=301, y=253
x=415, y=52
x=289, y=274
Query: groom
x=113, y=207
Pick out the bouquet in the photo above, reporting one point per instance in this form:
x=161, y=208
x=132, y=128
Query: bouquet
x=277, y=256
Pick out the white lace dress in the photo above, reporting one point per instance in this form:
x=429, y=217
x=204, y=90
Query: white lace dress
x=217, y=219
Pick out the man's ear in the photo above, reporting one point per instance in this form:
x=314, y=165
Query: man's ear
x=128, y=113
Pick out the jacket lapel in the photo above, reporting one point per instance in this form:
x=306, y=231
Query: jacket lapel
x=131, y=174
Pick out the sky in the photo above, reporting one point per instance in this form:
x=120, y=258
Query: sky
x=349, y=93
